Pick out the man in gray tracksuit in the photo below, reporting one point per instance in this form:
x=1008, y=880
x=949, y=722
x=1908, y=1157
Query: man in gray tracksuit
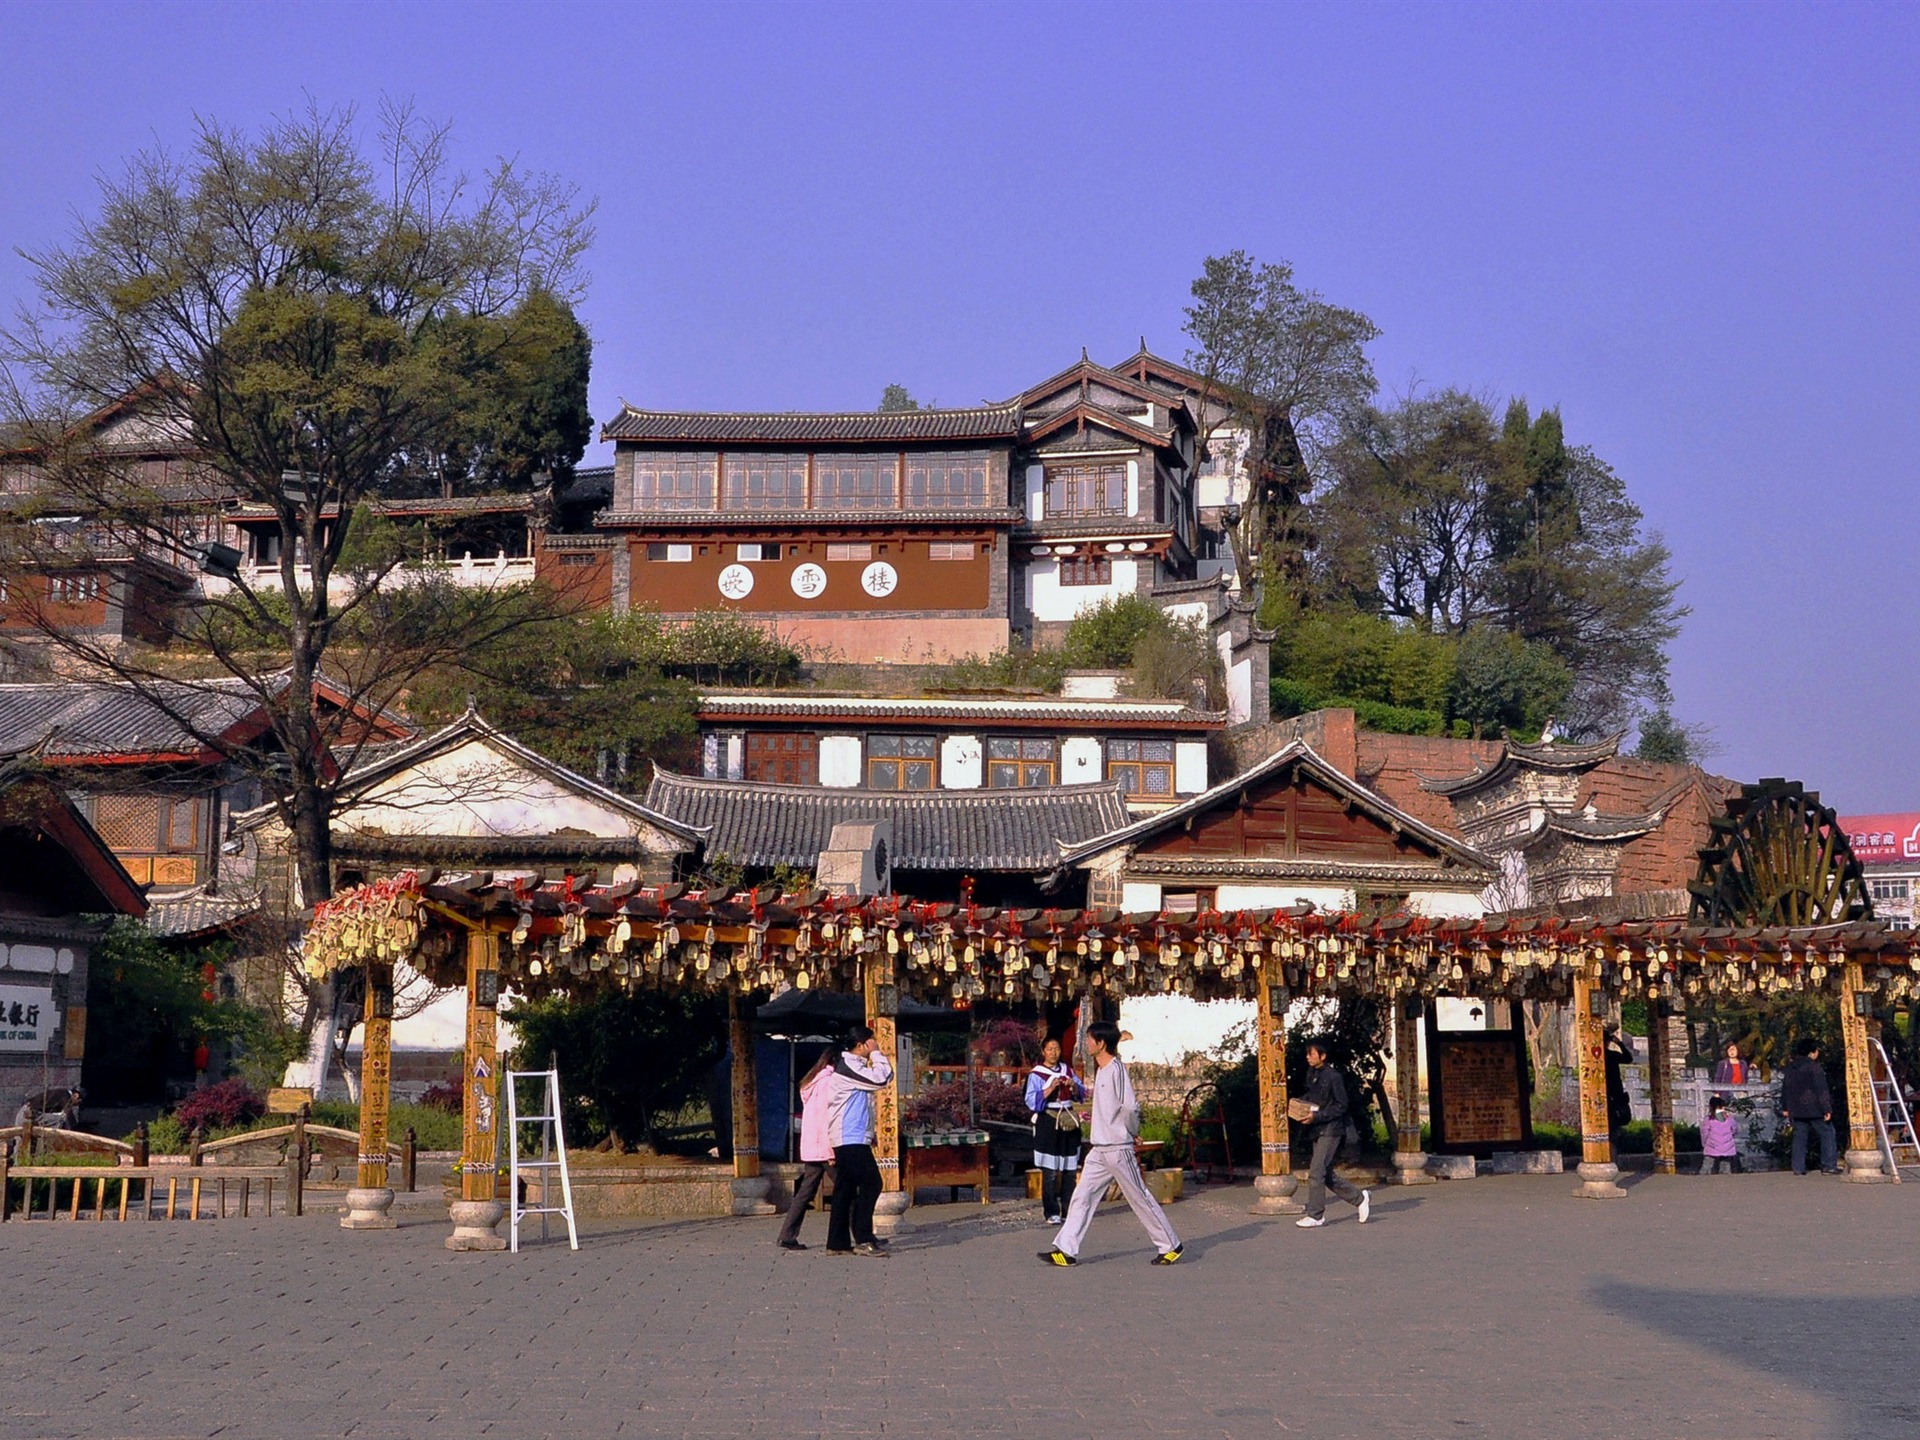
x=1116, y=1121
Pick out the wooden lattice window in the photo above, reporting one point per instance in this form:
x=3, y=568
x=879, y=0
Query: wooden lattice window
x=783, y=758
x=1086, y=490
x=901, y=762
x=1086, y=570
x=1143, y=767
x=1014, y=761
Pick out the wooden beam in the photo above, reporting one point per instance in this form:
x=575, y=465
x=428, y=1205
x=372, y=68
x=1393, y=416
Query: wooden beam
x=1275, y=1184
x=746, y=1097
x=1409, y=1157
x=1660, y=1084
x=372, y=1197
x=1863, y=1159
x=1597, y=1170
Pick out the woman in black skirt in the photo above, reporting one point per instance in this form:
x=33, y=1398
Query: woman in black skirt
x=1052, y=1091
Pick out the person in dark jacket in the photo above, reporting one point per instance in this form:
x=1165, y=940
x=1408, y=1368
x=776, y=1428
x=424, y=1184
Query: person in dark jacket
x=1617, y=1053
x=1808, y=1103
x=1326, y=1132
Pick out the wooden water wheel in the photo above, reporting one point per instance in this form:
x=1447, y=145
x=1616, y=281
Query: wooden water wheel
x=1778, y=857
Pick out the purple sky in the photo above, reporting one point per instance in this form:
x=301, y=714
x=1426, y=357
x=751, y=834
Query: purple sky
x=1692, y=228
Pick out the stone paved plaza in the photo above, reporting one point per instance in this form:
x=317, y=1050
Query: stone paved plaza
x=1728, y=1307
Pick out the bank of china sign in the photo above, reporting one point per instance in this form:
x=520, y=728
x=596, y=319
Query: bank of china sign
x=26, y=1018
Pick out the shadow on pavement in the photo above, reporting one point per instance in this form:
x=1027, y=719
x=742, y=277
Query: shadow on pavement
x=1852, y=1350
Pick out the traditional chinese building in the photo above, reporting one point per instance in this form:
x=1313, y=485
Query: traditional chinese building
x=998, y=846
x=1154, y=750
x=58, y=880
x=918, y=535
x=1287, y=831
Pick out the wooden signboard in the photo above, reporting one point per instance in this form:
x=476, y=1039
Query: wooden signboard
x=288, y=1099
x=1479, y=1091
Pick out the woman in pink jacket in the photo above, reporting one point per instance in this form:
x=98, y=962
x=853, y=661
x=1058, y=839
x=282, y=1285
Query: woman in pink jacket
x=815, y=1153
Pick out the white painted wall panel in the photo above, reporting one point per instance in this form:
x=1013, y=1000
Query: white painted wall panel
x=1080, y=760
x=1048, y=599
x=1138, y=895
x=960, y=764
x=840, y=761
x=1281, y=893
x=1189, y=767
x=1036, y=493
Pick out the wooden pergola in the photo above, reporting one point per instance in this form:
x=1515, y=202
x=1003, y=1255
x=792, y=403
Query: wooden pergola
x=539, y=936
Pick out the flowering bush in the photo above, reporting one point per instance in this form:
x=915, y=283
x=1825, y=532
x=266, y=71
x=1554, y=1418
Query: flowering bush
x=219, y=1107
x=944, y=1107
x=1017, y=1038
x=444, y=1096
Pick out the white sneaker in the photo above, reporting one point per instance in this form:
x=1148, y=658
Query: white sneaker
x=1058, y=1220
x=1366, y=1205
x=1311, y=1222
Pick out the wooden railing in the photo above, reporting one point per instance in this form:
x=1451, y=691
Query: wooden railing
x=201, y=1185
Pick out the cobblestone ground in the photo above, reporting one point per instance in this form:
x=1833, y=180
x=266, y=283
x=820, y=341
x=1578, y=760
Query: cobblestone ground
x=1737, y=1307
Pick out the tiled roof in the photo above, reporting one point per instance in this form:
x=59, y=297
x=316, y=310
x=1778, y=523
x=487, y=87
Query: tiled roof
x=1514, y=756
x=193, y=913
x=427, y=505
x=978, y=830
x=106, y=720
x=1447, y=847
x=780, y=521
x=986, y=422
x=1050, y=708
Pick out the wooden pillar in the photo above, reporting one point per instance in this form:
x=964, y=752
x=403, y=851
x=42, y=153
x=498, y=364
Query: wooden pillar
x=1863, y=1159
x=371, y=1199
x=1409, y=1160
x=478, y=1209
x=750, y=1188
x=1660, y=1084
x=883, y=1008
x=1275, y=1184
x=1597, y=1170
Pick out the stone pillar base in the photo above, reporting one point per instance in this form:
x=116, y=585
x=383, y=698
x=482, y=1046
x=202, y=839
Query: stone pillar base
x=473, y=1222
x=1866, y=1167
x=1410, y=1168
x=890, y=1212
x=750, y=1195
x=367, y=1210
x=1276, y=1195
x=1596, y=1182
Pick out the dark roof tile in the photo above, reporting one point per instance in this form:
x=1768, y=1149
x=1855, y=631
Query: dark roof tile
x=1001, y=830
x=986, y=422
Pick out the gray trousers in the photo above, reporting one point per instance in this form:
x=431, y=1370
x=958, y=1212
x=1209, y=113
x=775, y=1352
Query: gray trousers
x=1320, y=1176
x=1115, y=1163
x=806, y=1185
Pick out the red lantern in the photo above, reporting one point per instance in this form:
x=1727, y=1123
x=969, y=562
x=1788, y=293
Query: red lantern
x=202, y=1057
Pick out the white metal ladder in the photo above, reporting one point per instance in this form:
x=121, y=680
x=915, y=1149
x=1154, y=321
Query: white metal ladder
x=1891, y=1118
x=552, y=1157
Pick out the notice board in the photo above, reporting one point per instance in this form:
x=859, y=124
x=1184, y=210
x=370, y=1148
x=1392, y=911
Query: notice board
x=1478, y=1090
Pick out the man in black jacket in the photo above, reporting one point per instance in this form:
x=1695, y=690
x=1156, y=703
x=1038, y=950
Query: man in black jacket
x=1326, y=1131
x=1806, y=1101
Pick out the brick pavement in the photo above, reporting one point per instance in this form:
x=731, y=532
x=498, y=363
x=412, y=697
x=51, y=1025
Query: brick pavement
x=1738, y=1307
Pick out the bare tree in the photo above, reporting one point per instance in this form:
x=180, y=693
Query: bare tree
x=306, y=323
x=1280, y=369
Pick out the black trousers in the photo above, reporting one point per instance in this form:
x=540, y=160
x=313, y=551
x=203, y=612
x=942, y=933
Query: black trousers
x=1056, y=1192
x=1816, y=1126
x=856, y=1187
x=805, y=1186
x=1712, y=1163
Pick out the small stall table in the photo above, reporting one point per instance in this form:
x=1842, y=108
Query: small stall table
x=952, y=1158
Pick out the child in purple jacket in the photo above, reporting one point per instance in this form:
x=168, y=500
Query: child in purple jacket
x=1716, y=1140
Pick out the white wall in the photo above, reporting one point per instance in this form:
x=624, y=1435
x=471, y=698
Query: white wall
x=1048, y=599
x=1278, y=894
x=1189, y=767
x=1446, y=904
x=960, y=763
x=1080, y=760
x=1036, y=494
x=475, y=790
x=1139, y=896
x=840, y=761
